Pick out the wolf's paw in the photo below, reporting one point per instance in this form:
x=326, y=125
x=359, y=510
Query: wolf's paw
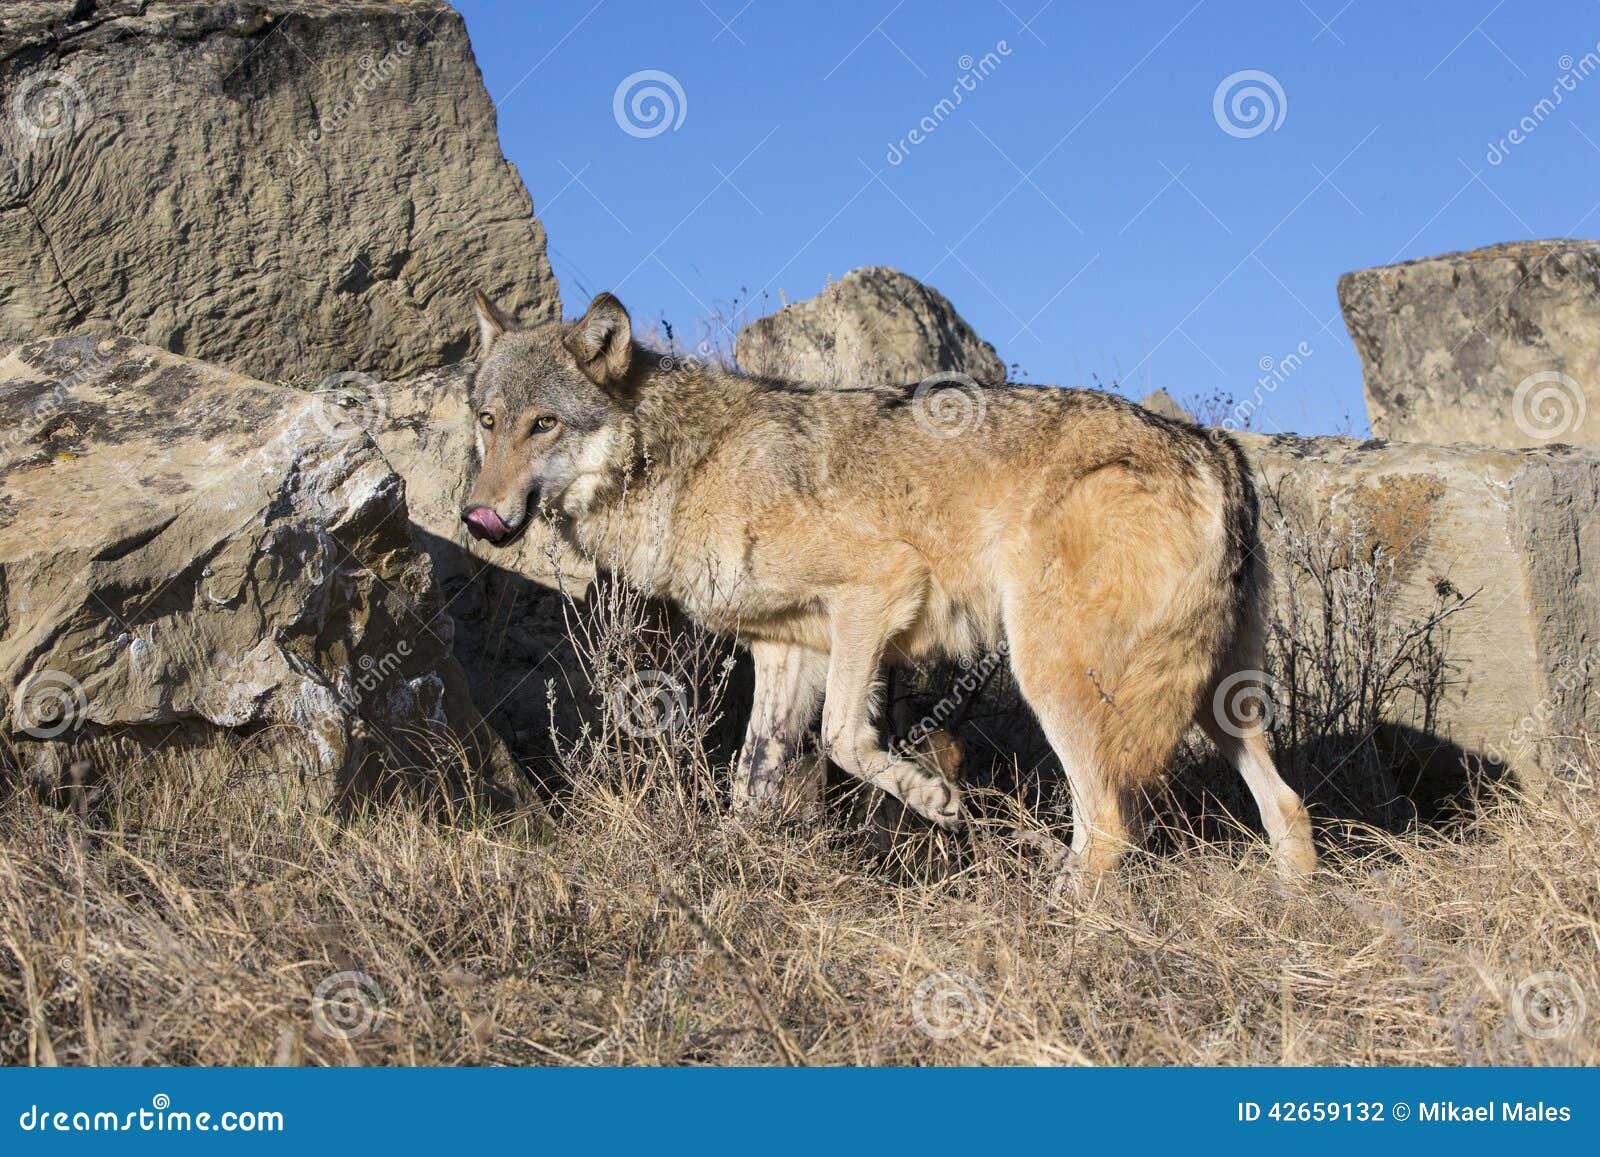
x=934, y=798
x=1296, y=857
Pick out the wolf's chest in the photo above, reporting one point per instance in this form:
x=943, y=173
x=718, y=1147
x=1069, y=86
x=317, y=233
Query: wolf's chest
x=721, y=586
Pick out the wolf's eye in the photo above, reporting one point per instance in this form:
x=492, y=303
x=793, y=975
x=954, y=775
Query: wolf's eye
x=544, y=424
x=486, y=420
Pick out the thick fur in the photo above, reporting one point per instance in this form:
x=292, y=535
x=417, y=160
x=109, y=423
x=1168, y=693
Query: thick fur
x=1112, y=551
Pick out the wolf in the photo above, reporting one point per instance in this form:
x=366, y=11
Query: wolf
x=1112, y=555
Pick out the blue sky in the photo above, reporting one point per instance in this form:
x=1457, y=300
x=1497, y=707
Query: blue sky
x=1084, y=206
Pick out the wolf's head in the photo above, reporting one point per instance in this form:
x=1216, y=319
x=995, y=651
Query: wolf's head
x=551, y=403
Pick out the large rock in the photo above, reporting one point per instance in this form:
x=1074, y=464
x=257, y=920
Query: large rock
x=1521, y=658
x=188, y=556
x=1497, y=346
x=874, y=324
x=279, y=188
x=1163, y=403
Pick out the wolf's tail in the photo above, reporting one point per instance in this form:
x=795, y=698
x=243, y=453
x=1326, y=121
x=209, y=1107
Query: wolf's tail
x=1207, y=618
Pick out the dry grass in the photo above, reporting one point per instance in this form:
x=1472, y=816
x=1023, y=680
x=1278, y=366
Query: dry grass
x=194, y=918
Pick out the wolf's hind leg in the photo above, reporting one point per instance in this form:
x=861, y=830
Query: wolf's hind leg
x=1282, y=812
x=1233, y=714
x=1066, y=709
x=1114, y=720
x=850, y=738
x=772, y=766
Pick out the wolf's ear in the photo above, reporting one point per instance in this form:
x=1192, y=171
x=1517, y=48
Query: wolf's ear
x=602, y=342
x=491, y=322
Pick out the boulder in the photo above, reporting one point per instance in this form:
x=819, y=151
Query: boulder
x=1517, y=666
x=301, y=188
x=1163, y=403
x=1497, y=346
x=191, y=558
x=872, y=325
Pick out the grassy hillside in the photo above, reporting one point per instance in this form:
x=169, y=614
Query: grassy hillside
x=193, y=919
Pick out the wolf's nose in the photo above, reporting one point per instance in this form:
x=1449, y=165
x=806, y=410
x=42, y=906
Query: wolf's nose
x=483, y=522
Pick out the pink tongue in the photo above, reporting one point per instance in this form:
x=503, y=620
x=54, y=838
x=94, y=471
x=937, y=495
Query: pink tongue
x=485, y=523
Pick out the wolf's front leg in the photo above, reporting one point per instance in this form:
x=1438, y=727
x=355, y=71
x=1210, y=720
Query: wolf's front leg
x=851, y=740
x=772, y=766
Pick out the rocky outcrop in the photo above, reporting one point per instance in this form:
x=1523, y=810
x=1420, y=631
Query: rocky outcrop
x=301, y=188
x=1163, y=403
x=1497, y=346
x=1520, y=662
x=872, y=325
x=188, y=556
